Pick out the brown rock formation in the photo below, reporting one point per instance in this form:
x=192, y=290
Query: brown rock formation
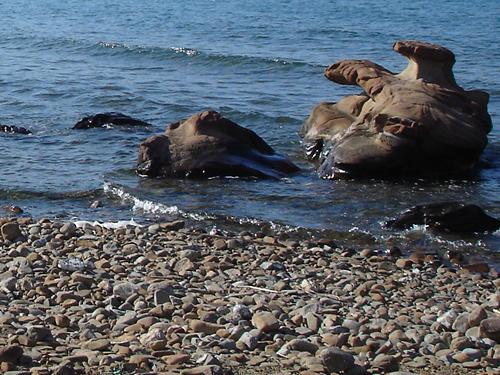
x=416, y=122
x=206, y=145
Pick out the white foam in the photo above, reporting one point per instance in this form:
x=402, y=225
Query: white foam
x=185, y=51
x=147, y=206
x=139, y=204
x=108, y=225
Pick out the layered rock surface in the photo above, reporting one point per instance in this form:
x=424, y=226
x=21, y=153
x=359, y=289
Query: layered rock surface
x=207, y=145
x=418, y=121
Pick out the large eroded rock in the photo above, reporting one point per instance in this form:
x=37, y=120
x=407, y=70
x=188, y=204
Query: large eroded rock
x=412, y=123
x=206, y=145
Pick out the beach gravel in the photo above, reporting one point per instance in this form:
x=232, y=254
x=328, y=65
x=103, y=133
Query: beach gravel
x=173, y=299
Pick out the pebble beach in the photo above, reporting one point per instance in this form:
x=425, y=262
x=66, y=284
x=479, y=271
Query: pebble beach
x=171, y=299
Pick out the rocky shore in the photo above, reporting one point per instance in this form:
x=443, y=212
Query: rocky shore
x=165, y=299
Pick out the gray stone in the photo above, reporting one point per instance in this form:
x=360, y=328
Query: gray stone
x=460, y=343
x=467, y=355
x=97, y=344
x=477, y=316
x=10, y=231
x=38, y=333
x=124, y=290
x=241, y=312
x=490, y=328
x=8, y=284
x=154, y=228
x=313, y=322
x=385, y=362
x=473, y=333
x=41, y=242
x=272, y=266
x=227, y=344
x=336, y=360
x=301, y=345
x=351, y=325
x=250, y=339
x=184, y=265
x=129, y=318
x=68, y=229
x=161, y=296
x=461, y=323
x=432, y=338
x=447, y=319
x=203, y=370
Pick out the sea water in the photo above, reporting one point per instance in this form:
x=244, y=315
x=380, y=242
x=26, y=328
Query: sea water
x=259, y=63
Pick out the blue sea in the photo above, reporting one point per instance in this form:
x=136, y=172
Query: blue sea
x=259, y=63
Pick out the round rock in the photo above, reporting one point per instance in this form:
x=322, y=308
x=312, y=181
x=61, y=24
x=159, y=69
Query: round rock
x=336, y=360
x=265, y=321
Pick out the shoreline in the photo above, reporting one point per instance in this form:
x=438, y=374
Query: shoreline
x=168, y=299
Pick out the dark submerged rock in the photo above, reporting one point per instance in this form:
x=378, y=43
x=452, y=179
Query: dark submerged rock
x=207, y=145
x=13, y=129
x=109, y=118
x=447, y=217
x=401, y=124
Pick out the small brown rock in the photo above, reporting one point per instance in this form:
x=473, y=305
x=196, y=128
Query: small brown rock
x=265, y=321
x=10, y=231
x=480, y=267
x=220, y=244
x=173, y=225
x=64, y=369
x=302, y=346
x=6, y=366
x=491, y=328
x=404, y=263
x=336, y=360
x=387, y=363
x=200, y=326
x=477, y=316
x=140, y=360
x=176, y=359
x=460, y=343
x=97, y=344
x=62, y=321
x=203, y=370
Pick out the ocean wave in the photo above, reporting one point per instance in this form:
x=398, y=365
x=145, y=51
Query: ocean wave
x=115, y=48
x=179, y=52
x=147, y=206
x=237, y=113
x=15, y=194
x=231, y=223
